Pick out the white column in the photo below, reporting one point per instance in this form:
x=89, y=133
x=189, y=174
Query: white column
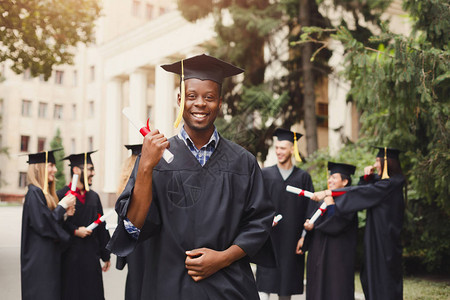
x=165, y=101
x=339, y=111
x=112, y=138
x=138, y=103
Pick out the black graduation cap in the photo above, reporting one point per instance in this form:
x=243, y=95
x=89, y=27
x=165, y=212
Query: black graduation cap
x=42, y=157
x=135, y=149
x=390, y=152
x=341, y=168
x=291, y=136
x=79, y=159
x=203, y=67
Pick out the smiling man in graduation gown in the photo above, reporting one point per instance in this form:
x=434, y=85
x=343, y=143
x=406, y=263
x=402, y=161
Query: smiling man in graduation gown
x=206, y=213
x=81, y=271
x=287, y=278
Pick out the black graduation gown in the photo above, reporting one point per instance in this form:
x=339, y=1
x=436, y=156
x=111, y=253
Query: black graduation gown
x=135, y=263
x=330, y=270
x=42, y=241
x=381, y=276
x=287, y=278
x=81, y=269
x=214, y=206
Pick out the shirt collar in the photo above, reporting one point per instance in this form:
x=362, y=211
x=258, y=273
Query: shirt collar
x=213, y=140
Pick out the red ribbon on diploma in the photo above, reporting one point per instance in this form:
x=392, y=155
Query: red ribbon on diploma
x=98, y=221
x=337, y=193
x=323, y=210
x=146, y=129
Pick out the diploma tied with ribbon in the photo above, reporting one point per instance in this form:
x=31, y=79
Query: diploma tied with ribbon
x=100, y=220
x=144, y=130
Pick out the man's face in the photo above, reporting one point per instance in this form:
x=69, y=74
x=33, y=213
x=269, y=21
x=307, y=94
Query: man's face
x=335, y=181
x=90, y=173
x=283, y=150
x=202, y=104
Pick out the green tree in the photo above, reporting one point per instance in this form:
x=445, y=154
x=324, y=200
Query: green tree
x=401, y=85
x=38, y=34
x=57, y=143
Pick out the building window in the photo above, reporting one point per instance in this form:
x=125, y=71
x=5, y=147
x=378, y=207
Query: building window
x=92, y=74
x=90, y=143
x=26, y=108
x=1, y=106
x=91, y=111
x=135, y=8
x=162, y=11
x=322, y=114
x=59, y=77
x=24, y=141
x=73, y=145
x=42, y=113
x=149, y=11
x=75, y=78
x=22, y=179
x=58, y=112
x=41, y=144
x=74, y=111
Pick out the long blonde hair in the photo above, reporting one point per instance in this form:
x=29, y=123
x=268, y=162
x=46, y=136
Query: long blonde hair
x=36, y=176
x=127, y=168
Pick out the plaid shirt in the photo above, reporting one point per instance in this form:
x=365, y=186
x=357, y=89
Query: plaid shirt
x=205, y=152
x=202, y=155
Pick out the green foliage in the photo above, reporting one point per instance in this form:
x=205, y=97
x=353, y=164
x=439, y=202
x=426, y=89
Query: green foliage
x=38, y=34
x=402, y=87
x=56, y=143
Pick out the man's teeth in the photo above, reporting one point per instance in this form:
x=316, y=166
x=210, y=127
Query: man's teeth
x=199, y=115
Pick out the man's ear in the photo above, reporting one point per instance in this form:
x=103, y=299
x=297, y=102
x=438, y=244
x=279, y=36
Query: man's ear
x=76, y=170
x=345, y=182
x=178, y=100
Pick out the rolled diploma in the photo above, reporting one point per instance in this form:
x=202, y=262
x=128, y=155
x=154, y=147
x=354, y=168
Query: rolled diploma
x=298, y=191
x=276, y=219
x=100, y=220
x=315, y=216
x=167, y=155
x=74, y=182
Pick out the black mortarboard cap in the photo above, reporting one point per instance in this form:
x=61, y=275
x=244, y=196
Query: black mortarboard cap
x=286, y=135
x=204, y=67
x=37, y=158
x=135, y=149
x=78, y=159
x=390, y=152
x=341, y=168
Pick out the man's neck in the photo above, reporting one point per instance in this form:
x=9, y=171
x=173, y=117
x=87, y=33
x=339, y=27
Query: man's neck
x=286, y=165
x=199, y=137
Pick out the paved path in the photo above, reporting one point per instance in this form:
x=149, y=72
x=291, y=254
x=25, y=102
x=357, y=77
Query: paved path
x=10, y=230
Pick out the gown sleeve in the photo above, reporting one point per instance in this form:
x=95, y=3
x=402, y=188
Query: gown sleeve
x=366, y=196
x=335, y=224
x=45, y=222
x=122, y=243
x=256, y=223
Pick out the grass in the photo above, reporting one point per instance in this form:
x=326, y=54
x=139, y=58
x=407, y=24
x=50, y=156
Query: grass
x=419, y=288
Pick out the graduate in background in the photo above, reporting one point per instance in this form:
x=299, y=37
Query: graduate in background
x=381, y=193
x=82, y=272
x=206, y=213
x=330, y=270
x=287, y=278
x=43, y=236
x=135, y=261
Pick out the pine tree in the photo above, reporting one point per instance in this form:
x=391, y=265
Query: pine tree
x=57, y=143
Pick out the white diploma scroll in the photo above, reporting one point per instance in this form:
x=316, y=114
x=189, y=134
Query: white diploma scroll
x=100, y=220
x=315, y=216
x=167, y=155
x=276, y=219
x=298, y=191
x=74, y=182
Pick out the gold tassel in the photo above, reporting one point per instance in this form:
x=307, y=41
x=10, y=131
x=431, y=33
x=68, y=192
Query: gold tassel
x=385, y=169
x=183, y=92
x=296, y=153
x=86, y=183
x=46, y=174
